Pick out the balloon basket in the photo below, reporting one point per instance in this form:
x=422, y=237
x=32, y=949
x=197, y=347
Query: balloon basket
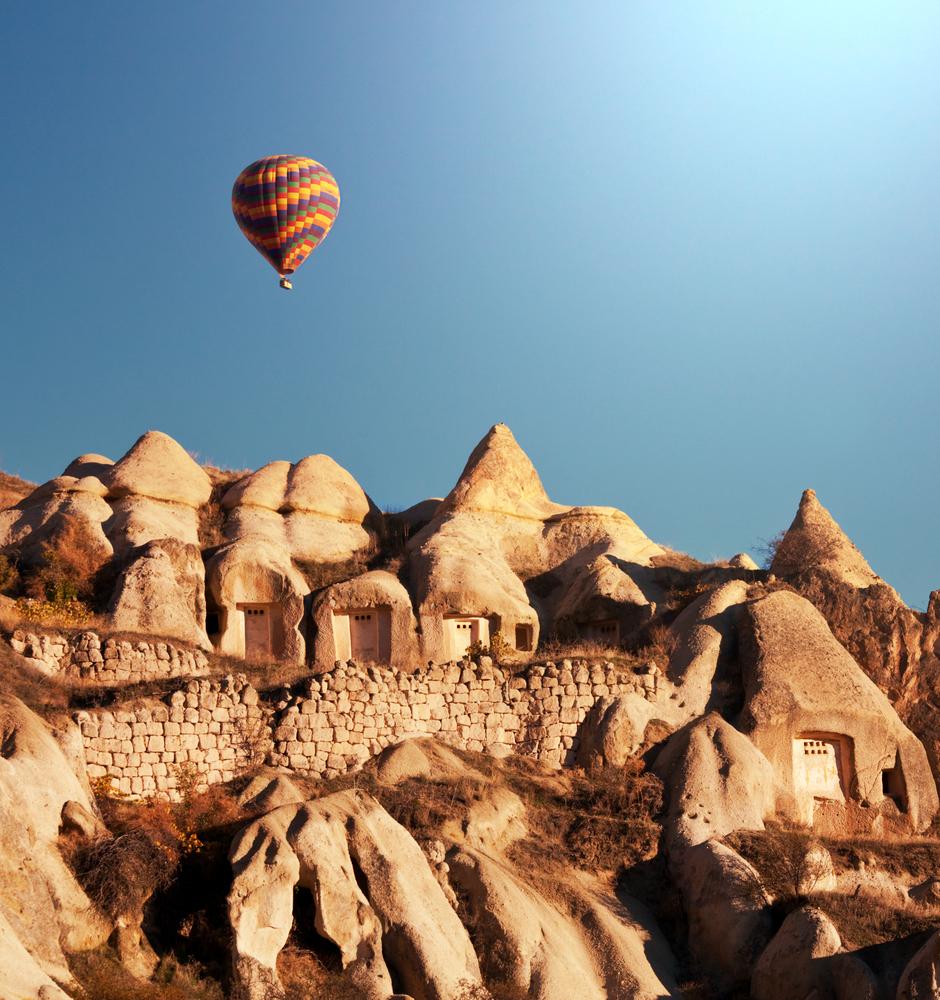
x=285, y=283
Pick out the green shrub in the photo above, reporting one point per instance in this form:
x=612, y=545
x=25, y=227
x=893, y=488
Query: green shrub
x=497, y=649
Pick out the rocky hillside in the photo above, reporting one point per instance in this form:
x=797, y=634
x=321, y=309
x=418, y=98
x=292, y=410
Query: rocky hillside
x=261, y=740
x=13, y=489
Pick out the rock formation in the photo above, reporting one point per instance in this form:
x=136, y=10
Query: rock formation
x=896, y=646
x=418, y=803
x=375, y=610
x=805, y=696
x=155, y=491
x=497, y=532
x=162, y=591
x=401, y=919
x=44, y=914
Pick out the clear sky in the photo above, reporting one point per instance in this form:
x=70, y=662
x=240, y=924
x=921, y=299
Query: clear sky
x=689, y=252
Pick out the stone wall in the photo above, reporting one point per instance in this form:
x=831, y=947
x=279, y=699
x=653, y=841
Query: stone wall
x=86, y=656
x=348, y=715
x=210, y=731
x=340, y=719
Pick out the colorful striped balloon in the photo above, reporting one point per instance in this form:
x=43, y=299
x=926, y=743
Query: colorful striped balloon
x=285, y=205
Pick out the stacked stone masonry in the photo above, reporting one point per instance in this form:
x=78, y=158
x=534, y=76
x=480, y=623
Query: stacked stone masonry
x=86, y=656
x=206, y=733
x=341, y=718
x=350, y=714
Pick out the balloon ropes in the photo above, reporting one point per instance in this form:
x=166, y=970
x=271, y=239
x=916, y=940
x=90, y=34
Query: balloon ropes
x=285, y=206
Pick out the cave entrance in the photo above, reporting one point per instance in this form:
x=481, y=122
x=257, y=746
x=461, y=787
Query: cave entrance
x=894, y=787
x=309, y=963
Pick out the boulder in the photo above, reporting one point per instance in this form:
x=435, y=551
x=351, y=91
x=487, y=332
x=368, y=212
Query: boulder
x=494, y=820
x=422, y=757
x=155, y=492
x=99, y=466
x=613, y=730
x=21, y=977
x=137, y=520
x=804, y=694
x=791, y=968
x=815, y=541
x=920, y=979
x=398, y=916
x=599, y=590
x=869, y=618
x=65, y=512
x=162, y=591
x=926, y=893
x=702, y=632
x=742, y=561
x=497, y=528
x=728, y=910
x=266, y=792
x=716, y=782
x=499, y=478
x=459, y=570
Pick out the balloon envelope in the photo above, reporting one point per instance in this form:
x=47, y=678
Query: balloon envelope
x=285, y=206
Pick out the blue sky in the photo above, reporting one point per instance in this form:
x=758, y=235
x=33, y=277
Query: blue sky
x=689, y=252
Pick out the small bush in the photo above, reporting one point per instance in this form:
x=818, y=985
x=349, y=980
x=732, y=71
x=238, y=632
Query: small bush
x=303, y=976
x=658, y=643
x=102, y=977
x=9, y=576
x=211, y=513
x=788, y=862
x=119, y=874
x=791, y=553
x=67, y=612
x=498, y=648
x=681, y=593
x=67, y=569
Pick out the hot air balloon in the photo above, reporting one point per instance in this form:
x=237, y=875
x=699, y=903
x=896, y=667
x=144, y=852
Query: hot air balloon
x=285, y=205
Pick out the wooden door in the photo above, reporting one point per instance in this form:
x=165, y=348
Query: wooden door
x=257, y=633
x=364, y=636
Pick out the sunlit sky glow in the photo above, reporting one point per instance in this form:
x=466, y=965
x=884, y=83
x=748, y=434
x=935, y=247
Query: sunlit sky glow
x=689, y=252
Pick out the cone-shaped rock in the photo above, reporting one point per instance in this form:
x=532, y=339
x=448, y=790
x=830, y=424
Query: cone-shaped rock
x=499, y=478
x=815, y=541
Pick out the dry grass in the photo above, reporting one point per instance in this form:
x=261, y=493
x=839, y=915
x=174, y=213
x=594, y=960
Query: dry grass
x=779, y=856
x=605, y=820
x=211, y=514
x=102, y=977
x=324, y=574
x=265, y=675
x=862, y=921
x=44, y=695
x=13, y=489
x=306, y=974
x=673, y=559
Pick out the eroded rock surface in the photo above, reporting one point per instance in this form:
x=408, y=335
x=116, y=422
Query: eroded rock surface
x=43, y=911
x=376, y=897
